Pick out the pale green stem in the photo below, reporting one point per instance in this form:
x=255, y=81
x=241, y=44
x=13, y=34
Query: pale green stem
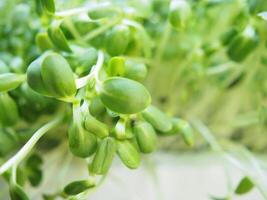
x=76, y=112
x=23, y=152
x=81, y=82
x=98, y=67
x=14, y=174
x=220, y=68
x=94, y=73
x=100, y=30
x=79, y=11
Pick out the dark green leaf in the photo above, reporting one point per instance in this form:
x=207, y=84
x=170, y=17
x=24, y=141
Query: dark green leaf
x=244, y=186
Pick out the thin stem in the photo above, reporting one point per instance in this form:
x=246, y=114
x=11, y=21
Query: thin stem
x=98, y=66
x=94, y=73
x=76, y=112
x=81, y=82
x=100, y=30
x=14, y=174
x=23, y=152
x=78, y=11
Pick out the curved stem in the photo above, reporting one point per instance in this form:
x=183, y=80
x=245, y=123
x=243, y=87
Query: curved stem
x=81, y=10
x=23, y=152
x=100, y=30
x=81, y=82
x=94, y=73
x=98, y=66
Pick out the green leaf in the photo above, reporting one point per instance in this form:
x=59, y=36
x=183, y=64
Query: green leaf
x=81, y=142
x=34, y=161
x=157, y=119
x=77, y=187
x=116, y=66
x=146, y=137
x=9, y=112
x=243, y=44
x=187, y=133
x=124, y=96
x=104, y=156
x=43, y=41
x=96, y=107
x=135, y=71
x=35, y=176
x=10, y=81
x=85, y=60
x=51, y=75
x=34, y=172
x=117, y=40
x=244, y=186
x=96, y=127
x=128, y=154
x=176, y=128
x=17, y=193
x=180, y=12
x=122, y=130
x=49, y=6
x=57, y=37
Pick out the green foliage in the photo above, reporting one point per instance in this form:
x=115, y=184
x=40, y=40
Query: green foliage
x=10, y=81
x=57, y=37
x=124, y=96
x=51, y=75
x=77, y=187
x=157, y=118
x=96, y=127
x=146, y=137
x=104, y=156
x=81, y=142
x=128, y=154
x=17, y=193
x=109, y=61
x=9, y=112
x=117, y=40
x=244, y=186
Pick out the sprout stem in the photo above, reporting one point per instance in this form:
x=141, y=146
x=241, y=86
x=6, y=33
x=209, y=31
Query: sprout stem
x=18, y=157
x=98, y=66
x=100, y=30
x=81, y=82
x=78, y=11
x=14, y=174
